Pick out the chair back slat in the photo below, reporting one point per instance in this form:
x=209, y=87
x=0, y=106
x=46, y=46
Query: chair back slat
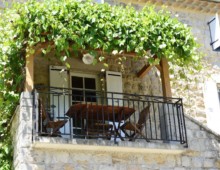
x=46, y=124
x=144, y=115
x=43, y=114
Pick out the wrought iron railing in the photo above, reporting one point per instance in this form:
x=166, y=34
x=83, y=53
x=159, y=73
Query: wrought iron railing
x=78, y=113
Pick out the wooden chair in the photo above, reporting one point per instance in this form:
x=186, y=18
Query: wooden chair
x=135, y=129
x=46, y=125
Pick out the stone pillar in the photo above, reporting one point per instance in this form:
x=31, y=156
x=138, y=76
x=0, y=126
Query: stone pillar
x=23, y=132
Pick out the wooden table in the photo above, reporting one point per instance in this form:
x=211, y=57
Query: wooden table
x=95, y=112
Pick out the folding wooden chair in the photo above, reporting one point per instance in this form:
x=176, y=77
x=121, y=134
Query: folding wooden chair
x=46, y=125
x=135, y=129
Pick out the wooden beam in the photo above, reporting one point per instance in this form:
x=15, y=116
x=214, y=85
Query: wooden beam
x=165, y=78
x=158, y=67
x=145, y=69
x=29, y=83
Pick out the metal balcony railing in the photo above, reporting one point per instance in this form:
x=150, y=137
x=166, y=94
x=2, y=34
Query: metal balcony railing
x=87, y=114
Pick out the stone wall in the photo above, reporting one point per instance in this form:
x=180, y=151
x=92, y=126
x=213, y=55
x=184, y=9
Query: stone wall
x=44, y=153
x=22, y=130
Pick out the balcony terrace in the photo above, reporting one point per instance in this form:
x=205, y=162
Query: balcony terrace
x=107, y=116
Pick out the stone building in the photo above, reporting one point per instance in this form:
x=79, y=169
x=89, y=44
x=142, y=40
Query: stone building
x=173, y=142
x=202, y=96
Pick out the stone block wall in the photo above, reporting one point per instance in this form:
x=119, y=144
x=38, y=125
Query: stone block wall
x=22, y=130
x=57, y=153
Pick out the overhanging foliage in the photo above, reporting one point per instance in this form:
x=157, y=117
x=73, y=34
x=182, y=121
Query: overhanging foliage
x=74, y=25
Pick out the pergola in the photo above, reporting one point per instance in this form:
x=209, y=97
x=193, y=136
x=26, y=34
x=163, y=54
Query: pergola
x=163, y=67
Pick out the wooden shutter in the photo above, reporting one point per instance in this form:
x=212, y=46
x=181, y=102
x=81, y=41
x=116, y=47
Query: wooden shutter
x=114, y=84
x=215, y=33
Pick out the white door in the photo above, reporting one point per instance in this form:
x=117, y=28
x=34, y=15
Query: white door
x=59, y=97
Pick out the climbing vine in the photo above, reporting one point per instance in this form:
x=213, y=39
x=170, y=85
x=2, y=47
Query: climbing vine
x=72, y=25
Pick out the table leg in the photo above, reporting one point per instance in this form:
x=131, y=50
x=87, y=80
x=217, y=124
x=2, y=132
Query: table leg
x=117, y=133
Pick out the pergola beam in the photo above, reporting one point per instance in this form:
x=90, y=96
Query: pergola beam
x=145, y=69
x=164, y=73
x=165, y=78
x=158, y=67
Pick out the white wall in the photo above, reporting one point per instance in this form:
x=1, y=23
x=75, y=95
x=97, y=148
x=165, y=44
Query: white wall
x=212, y=105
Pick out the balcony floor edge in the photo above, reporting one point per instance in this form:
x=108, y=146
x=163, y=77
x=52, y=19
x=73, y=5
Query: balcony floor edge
x=107, y=146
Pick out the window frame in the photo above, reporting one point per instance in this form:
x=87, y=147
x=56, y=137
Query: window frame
x=84, y=75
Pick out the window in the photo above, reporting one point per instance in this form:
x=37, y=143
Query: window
x=84, y=87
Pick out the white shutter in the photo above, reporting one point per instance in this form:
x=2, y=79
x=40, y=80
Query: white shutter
x=59, y=98
x=212, y=106
x=215, y=32
x=114, y=84
x=58, y=77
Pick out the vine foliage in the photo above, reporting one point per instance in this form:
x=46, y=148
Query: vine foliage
x=72, y=25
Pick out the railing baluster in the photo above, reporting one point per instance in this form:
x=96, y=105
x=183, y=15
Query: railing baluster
x=160, y=120
x=155, y=121
x=64, y=101
x=165, y=121
x=151, y=132
x=170, y=124
x=174, y=121
x=179, y=125
x=184, y=125
x=133, y=106
x=145, y=124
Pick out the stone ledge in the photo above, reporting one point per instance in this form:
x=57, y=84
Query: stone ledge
x=93, y=145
